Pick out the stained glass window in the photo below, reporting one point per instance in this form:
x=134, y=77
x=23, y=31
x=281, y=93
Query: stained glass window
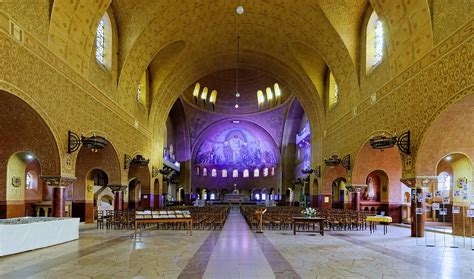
x=214, y=173
x=100, y=42
x=139, y=91
x=235, y=173
x=224, y=173
x=246, y=173
x=29, y=181
x=204, y=172
x=256, y=173
x=378, y=42
x=265, y=172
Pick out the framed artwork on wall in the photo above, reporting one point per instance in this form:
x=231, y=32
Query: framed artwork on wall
x=16, y=181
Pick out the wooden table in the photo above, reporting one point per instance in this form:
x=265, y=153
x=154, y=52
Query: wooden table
x=188, y=221
x=384, y=220
x=307, y=220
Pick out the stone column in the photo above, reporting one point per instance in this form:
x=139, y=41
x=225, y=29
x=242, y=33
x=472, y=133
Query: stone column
x=355, y=190
x=118, y=195
x=59, y=183
x=418, y=201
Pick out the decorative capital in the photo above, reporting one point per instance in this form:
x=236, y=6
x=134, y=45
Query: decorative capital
x=117, y=187
x=420, y=181
x=356, y=188
x=57, y=180
x=154, y=171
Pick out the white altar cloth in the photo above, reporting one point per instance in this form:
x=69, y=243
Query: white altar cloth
x=16, y=238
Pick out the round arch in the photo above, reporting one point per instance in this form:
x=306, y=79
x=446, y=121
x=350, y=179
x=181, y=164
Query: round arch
x=447, y=134
x=23, y=129
x=105, y=160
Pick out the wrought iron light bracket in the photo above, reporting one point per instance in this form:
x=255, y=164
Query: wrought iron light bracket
x=94, y=143
x=138, y=160
x=346, y=162
x=332, y=161
x=382, y=142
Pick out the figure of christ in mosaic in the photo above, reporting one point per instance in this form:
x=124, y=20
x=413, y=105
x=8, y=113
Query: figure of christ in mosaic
x=236, y=148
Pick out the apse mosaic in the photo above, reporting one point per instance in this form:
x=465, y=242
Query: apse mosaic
x=237, y=149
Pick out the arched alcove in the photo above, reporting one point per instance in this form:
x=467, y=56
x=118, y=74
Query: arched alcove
x=105, y=160
x=22, y=129
x=139, y=186
x=384, y=166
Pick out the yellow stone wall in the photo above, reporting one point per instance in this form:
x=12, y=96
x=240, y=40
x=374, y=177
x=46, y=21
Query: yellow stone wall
x=53, y=68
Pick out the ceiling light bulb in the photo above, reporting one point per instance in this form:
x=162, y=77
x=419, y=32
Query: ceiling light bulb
x=240, y=10
x=29, y=156
x=237, y=94
x=236, y=105
x=449, y=158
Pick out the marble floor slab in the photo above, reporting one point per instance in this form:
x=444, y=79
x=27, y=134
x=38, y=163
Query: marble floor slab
x=238, y=252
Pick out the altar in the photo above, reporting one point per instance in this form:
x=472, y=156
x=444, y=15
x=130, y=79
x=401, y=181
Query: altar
x=28, y=233
x=235, y=197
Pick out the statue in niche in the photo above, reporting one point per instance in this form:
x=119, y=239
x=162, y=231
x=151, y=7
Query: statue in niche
x=369, y=193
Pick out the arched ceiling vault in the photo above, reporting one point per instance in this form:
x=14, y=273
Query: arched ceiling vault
x=210, y=28
x=183, y=76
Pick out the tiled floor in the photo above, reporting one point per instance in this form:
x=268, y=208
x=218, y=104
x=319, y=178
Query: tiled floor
x=237, y=252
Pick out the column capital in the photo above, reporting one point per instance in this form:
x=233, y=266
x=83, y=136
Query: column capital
x=57, y=180
x=356, y=188
x=418, y=182
x=117, y=187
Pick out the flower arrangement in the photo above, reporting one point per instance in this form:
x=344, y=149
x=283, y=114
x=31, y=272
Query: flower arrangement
x=309, y=212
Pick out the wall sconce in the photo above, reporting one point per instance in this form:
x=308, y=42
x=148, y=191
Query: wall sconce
x=382, y=142
x=94, y=143
x=316, y=171
x=138, y=160
x=346, y=162
x=332, y=161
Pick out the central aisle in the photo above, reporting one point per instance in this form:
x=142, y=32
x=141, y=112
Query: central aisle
x=237, y=253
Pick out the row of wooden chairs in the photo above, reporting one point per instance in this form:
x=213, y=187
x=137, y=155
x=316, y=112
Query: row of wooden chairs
x=280, y=218
x=209, y=217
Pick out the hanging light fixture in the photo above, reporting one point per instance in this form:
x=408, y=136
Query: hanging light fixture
x=239, y=11
x=237, y=94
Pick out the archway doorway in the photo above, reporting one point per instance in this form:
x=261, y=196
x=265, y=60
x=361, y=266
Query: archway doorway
x=139, y=185
x=339, y=193
x=93, y=167
x=99, y=181
x=22, y=129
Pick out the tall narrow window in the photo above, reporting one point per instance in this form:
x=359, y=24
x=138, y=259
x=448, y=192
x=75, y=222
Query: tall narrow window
x=374, y=42
x=214, y=173
x=100, y=41
x=378, y=42
x=246, y=173
x=333, y=91
x=224, y=173
x=265, y=172
x=139, y=91
x=204, y=172
x=256, y=173
x=142, y=89
x=235, y=173
x=103, y=42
